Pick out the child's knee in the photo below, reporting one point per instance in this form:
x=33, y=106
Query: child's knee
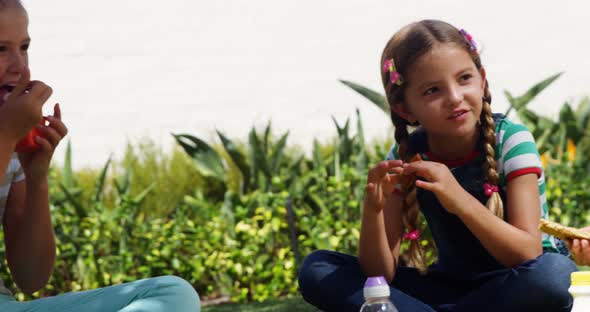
x=183, y=292
x=547, y=281
x=312, y=270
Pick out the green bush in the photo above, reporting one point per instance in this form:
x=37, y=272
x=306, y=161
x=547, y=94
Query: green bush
x=236, y=219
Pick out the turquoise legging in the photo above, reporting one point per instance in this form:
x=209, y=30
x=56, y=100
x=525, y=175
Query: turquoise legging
x=159, y=294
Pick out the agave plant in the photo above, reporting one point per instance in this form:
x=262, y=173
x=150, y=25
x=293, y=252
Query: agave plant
x=256, y=165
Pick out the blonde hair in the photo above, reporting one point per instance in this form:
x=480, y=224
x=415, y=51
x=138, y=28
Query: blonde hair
x=405, y=47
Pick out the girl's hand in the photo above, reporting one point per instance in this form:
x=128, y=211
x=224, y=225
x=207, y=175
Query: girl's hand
x=381, y=183
x=36, y=164
x=440, y=181
x=22, y=109
x=580, y=249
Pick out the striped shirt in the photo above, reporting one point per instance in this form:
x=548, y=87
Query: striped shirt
x=516, y=155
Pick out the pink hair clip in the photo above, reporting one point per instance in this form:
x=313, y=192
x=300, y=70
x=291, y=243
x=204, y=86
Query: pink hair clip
x=469, y=39
x=412, y=235
x=394, y=76
x=489, y=189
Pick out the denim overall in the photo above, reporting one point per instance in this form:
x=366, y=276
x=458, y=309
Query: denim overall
x=464, y=278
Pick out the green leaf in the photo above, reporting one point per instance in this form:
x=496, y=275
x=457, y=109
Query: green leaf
x=511, y=101
x=227, y=210
x=529, y=118
x=266, y=145
x=583, y=113
x=345, y=142
x=568, y=118
x=318, y=160
x=141, y=196
x=67, y=177
x=523, y=100
x=101, y=179
x=277, y=153
x=238, y=158
x=375, y=97
x=205, y=158
x=315, y=202
x=542, y=140
x=257, y=156
x=122, y=184
x=71, y=197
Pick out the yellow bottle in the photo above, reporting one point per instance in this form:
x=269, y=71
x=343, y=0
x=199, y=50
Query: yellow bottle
x=580, y=290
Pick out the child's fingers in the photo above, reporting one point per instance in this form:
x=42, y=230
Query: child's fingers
x=44, y=144
x=23, y=82
x=397, y=170
x=425, y=185
x=57, y=111
x=370, y=189
x=420, y=168
x=585, y=251
x=395, y=163
x=576, y=249
x=50, y=134
x=58, y=125
x=40, y=91
x=374, y=172
x=568, y=242
x=381, y=169
x=394, y=179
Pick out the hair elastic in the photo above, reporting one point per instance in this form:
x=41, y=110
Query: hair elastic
x=394, y=76
x=469, y=39
x=414, y=235
x=490, y=189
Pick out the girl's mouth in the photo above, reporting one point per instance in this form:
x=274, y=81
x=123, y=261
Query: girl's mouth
x=458, y=115
x=8, y=88
x=5, y=91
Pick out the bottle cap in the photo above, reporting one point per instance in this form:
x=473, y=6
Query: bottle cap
x=581, y=278
x=375, y=287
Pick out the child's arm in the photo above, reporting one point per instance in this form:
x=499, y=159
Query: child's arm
x=7, y=145
x=518, y=238
x=29, y=238
x=381, y=225
x=512, y=242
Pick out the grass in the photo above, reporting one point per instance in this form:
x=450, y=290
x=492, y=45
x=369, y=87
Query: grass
x=291, y=304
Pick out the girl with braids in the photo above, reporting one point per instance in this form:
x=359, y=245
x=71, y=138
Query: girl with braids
x=30, y=246
x=479, y=186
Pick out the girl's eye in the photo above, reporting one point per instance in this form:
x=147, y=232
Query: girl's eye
x=25, y=47
x=2, y=49
x=430, y=91
x=465, y=77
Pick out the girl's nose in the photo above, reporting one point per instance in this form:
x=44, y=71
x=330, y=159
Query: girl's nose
x=17, y=61
x=454, y=96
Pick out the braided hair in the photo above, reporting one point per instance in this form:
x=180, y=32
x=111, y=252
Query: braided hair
x=405, y=47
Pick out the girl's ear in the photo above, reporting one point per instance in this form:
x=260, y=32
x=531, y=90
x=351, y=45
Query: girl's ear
x=401, y=111
x=482, y=72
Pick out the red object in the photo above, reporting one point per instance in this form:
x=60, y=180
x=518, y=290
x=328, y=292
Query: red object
x=28, y=144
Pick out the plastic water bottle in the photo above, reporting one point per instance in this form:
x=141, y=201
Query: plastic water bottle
x=580, y=290
x=376, y=292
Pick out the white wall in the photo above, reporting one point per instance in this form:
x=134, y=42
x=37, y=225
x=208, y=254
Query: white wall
x=127, y=69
